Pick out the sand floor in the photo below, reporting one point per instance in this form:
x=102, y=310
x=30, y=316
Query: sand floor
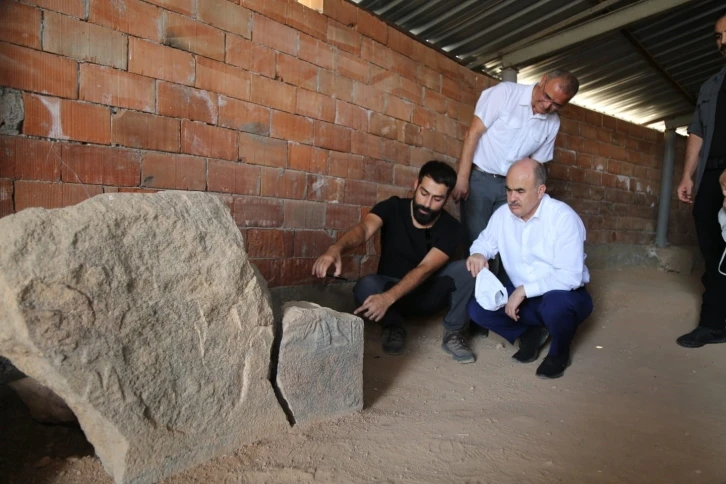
x=633, y=408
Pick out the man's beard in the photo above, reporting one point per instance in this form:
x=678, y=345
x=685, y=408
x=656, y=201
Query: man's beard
x=423, y=215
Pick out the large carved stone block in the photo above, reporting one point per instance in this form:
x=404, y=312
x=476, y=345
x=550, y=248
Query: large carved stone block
x=144, y=315
x=320, y=367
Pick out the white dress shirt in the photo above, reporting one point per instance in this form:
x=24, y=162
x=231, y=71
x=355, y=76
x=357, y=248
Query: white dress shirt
x=513, y=131
x=543, y=254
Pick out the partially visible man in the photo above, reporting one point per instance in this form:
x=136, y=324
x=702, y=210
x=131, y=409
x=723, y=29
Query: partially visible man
x=415, y=274
x=706, y=156
x=541, y=243
x=511, y=121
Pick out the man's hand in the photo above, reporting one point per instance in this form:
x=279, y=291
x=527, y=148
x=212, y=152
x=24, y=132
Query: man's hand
x=722, y=181
x=323, y=263
x=685, y=189
x=375, y=306
x=515, y=300
x=475, y=263
x=461, y=190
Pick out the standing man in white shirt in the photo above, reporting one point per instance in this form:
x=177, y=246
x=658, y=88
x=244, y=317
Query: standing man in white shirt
x=511, y=121
x=541, y=243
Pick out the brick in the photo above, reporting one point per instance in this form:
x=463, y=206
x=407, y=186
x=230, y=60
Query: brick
x=345, y=165
x=369, y=97
x=274, y=94
x=223, y=79
x=160, y=62
x=257, y=212
x=30, y=70
x=350, y=115
x=100, y=165
x=335, y=86
x=129, y=128
x=613, y=152
x=270, y=270
x=179, y=172
x=395, y=152
x=184, y=7
x=317, y=52
x=405, y=67
x=342, y=11
x=377, y=171
x=405, y=176
x=269, y=243
x=131, y=16
x=409, y=90
x=371, y=26
x=63, y=119
x=434, y=101
x=275, y=9
x=274, y=35
x=281, y=183
x=260, y=150
x=244, y=116
x=308, y=158
x=226, y=16
x=296, y=72
x=304, y=215
x=74, y=8
x=297, y=271
x=413, y=135
x=387, y=191
x=250, y=56
x=398, y=108
x=344, y=37
x=292, y=128
x=104, y=85
x=325, y=189
x=186, y=34
x=331, y=136
x=204, y=140
x=29, y=159
x=311, y=243
x=400, y=42
x=230, y=177
x=315, y=105
x=353, y=67
x=424, y=117
x=366, y=144
x=428, y=77
x=420, y=156
x=179, y=101
x=6, y=197
x=307, y=20
x=341, y=217
x=84, y=41
x=377, y=54
x=360, y=193
x=51, y=195
x=21, y=24
x=384, y=126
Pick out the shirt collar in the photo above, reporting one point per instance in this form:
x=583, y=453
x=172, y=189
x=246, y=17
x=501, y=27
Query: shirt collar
x=525, y=99
x=536, y=213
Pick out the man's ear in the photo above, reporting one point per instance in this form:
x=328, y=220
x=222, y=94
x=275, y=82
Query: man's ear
x=541, y=191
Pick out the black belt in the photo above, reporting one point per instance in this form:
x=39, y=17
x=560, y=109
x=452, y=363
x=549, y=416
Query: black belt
x=716, y=162
x=494, y=175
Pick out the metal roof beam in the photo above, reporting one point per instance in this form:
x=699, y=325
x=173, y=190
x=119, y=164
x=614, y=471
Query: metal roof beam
x=606, y=23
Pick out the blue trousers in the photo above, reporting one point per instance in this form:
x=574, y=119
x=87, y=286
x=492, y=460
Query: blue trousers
x=561, y=312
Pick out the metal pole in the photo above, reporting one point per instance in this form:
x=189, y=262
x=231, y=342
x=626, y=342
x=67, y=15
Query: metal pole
x=666, y=185
x=509, y=74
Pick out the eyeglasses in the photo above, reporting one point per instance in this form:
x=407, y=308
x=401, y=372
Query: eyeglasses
x=548, y=99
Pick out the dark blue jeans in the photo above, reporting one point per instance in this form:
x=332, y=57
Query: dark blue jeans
x=452, y=287
x=561, y=312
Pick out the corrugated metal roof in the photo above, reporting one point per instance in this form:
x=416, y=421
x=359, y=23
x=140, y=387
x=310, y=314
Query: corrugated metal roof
x=646, y=72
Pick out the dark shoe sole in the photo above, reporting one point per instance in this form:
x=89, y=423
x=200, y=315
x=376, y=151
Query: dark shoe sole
x=533, y=358
x=697, y=344
x=459, y=359
x=556, y=375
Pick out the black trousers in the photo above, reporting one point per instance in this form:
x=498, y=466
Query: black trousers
x=709, y=201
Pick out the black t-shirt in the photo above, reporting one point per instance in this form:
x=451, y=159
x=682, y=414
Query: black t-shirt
x=718, y=141
x=404, y=246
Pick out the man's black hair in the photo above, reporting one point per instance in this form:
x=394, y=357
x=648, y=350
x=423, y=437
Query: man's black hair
x=439, y=172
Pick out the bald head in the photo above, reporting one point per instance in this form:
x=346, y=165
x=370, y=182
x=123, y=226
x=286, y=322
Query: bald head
x=525, y=187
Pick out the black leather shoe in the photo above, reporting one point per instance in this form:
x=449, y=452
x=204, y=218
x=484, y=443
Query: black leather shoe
x=702, y=336
x=530, y=343
x=394, y=339
x=553, y=366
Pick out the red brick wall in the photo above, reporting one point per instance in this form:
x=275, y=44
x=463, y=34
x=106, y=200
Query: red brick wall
x=298, y=121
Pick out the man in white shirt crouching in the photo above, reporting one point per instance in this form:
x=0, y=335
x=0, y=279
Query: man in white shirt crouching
x=541, y=244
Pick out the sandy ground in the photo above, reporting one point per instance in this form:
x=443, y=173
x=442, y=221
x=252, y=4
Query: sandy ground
x=633, y=408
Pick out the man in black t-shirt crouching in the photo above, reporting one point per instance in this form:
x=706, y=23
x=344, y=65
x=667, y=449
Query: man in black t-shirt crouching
x=415, y=274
